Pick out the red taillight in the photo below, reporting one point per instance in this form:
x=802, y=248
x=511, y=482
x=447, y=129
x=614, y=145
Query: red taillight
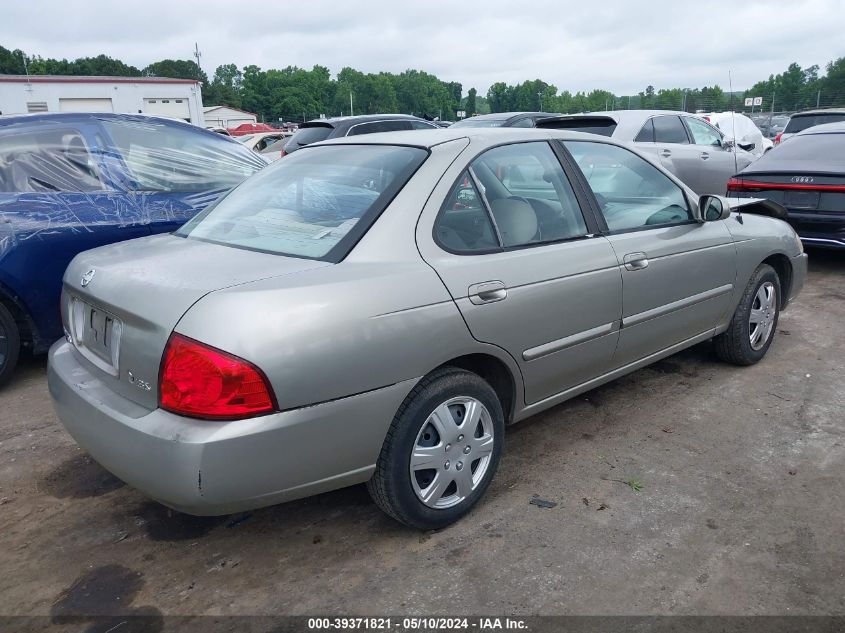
x=737, y=184
x=777, y=138
x=199, y=381
x=283, y=154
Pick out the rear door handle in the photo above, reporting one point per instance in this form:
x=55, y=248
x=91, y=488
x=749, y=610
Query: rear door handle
x=487, y=292
x=704, y=155
x=635, y=261
x=665, y=153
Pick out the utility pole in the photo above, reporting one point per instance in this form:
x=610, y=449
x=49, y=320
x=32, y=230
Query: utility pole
x=540, y=100
x=818, y=98
x=197, y=54
x=351, y=111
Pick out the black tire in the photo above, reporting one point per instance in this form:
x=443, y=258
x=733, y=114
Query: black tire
x=10, y=344
x=734, y=345
x=391, y=486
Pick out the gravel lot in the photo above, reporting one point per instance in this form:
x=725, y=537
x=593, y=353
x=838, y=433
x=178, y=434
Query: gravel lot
x=741, y=508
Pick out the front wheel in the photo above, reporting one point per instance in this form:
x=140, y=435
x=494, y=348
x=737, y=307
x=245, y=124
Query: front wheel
x=10, y=344
x=441, y=451
x=754, y=322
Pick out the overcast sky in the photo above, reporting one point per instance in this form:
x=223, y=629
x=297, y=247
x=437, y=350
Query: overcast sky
x=618, y=45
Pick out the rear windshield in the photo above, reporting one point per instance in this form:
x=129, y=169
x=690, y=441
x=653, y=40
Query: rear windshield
x=315, y=203
x=818, y=149
x=603, y=126
x=480, y=123
x=308, y=135
x=800, y=122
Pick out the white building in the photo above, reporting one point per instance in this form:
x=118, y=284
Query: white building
x=174, y=98
x=224, y=116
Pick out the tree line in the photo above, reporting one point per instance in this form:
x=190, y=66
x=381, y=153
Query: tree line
x=295, y=94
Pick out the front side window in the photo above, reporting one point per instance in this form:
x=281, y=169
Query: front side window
x=315, y=203
x=525, y=195
x=669, y=129
x=47, y=161
x=631, y=192
x=703, y=134
x=173, y=158
x=526, y=122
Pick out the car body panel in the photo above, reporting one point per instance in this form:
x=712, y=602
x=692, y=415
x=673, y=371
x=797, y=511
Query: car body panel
x=344, y=343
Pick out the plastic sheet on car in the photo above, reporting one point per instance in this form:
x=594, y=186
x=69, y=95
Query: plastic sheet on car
x=73, y=173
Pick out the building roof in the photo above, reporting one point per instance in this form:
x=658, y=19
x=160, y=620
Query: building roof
x=207, y=109
x=99, y=79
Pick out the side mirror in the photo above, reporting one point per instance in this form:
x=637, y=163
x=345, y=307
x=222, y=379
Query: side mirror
x=713, y=208
x=728, y=142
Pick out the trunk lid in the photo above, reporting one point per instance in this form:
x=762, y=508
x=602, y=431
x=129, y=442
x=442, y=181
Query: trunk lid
x=121, y=302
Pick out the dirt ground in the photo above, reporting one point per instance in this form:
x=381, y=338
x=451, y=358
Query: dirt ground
x=740, y=507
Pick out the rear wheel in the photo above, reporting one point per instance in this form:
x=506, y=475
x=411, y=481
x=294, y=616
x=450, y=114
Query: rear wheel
x=753, y=325
x=10, y=344
x=441, y=451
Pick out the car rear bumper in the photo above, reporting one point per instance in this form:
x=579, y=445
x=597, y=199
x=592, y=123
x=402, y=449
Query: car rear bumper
x=211, y=468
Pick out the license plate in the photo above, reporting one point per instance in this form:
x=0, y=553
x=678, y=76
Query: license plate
x=801, y=200
x=96, y=333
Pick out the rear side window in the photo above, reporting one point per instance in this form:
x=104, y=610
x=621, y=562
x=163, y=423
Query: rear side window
x=603, y=126
x=379, y=126
x=631, y=192
x=172, y=158
x=315, y=203
x=669, y=129
x=308, y=135
x=47, y=161
x=525, y=199
x=800, y=122
x=464, y=225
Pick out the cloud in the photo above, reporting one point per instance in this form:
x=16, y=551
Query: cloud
x=617, y=45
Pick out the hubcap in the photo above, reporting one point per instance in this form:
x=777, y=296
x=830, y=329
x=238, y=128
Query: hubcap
x=452, y=452
x=763, y=313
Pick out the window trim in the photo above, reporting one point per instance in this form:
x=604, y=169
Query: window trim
x=589, y=221
x=604, y=229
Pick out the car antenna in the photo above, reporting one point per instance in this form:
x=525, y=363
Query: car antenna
x=733, y=133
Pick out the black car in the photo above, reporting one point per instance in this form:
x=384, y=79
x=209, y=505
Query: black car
x=322, y=129
x=807, y=176
x=504, y=119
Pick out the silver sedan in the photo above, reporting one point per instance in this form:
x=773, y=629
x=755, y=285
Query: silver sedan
x=377, y=309
x=702, y=156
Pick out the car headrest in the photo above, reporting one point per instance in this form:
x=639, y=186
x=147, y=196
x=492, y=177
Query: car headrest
x=516, y=220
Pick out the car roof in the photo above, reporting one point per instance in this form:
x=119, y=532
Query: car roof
x=22, y=120
x=338, y=121
x=820, y=111
x=496, y=116
x=824, y=128
x=492, y=136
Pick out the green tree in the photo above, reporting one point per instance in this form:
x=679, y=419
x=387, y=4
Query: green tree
x=176, y=69
x=471, y=107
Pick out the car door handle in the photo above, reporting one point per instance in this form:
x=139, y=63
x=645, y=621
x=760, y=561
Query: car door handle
x=704, y=155
x=665, y=153
x=635, y=261
x=487, y=292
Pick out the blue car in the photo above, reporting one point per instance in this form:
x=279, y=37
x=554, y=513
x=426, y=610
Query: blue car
x=70, y=182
